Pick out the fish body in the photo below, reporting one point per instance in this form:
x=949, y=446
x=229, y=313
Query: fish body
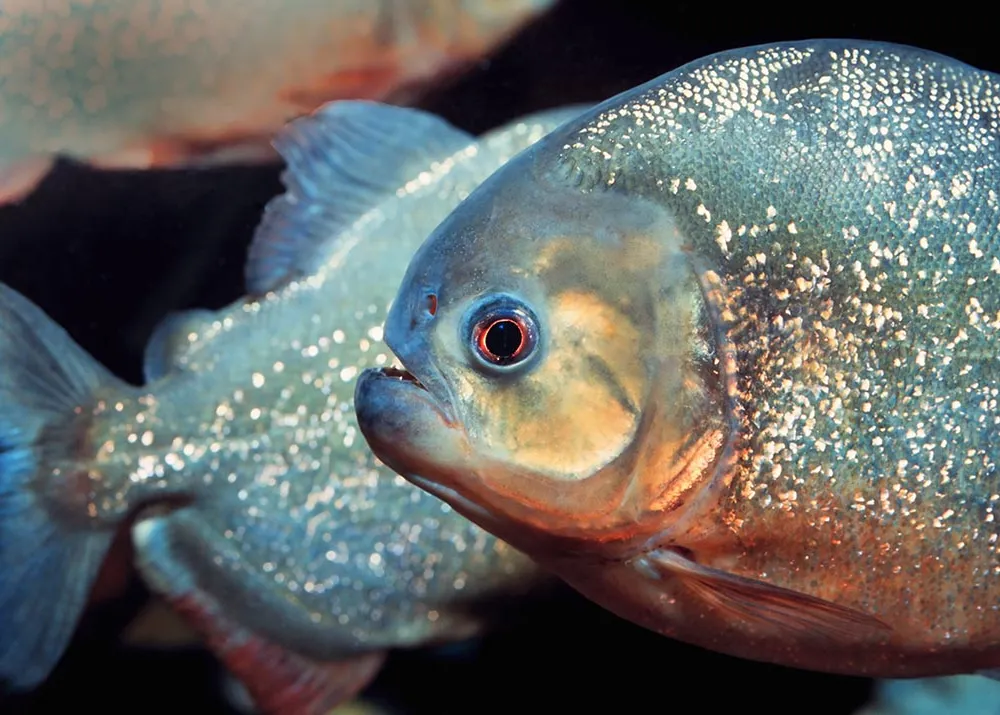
x=722, y=353
x=173, y=83
x=260, y=513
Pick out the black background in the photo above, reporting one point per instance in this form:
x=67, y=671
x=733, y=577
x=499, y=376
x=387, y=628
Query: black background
x=106, y=254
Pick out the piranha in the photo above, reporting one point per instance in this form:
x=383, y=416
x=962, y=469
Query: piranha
x=171, y=83
x=255, y=506
x=722, y=353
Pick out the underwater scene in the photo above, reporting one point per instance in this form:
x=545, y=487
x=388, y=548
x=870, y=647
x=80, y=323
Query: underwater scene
x=487, y=356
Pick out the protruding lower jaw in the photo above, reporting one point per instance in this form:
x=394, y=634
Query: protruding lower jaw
x=405, y=424
x=410, y=430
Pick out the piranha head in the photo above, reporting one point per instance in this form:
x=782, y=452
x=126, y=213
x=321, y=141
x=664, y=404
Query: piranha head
x=561, y=383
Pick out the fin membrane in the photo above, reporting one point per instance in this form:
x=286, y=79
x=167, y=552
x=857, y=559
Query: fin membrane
x=779, y=609
x=342, y=161
x=50, y=552
x=279, y=681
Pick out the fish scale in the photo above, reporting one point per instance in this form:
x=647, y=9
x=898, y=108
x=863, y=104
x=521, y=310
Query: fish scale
x=858, y=277
x=810, y=476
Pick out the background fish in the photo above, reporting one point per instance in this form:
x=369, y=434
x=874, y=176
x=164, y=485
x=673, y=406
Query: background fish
x=955, y=695
x=263, y=517
x=722, y=353
x=147, y=83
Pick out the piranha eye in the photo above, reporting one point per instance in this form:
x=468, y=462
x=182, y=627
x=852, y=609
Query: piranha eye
x=502, y=333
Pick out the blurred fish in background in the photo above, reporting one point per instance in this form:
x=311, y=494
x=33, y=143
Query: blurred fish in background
x=160, y=83
x=297, y=556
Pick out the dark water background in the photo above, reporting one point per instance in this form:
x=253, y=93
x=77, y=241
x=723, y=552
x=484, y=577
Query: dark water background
x=107, y=254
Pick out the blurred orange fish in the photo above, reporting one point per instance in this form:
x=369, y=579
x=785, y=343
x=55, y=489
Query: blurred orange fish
x=156, y=83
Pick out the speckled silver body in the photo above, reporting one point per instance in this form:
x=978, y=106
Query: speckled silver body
x=845, y=196
x=834, y=204
x=293, y=527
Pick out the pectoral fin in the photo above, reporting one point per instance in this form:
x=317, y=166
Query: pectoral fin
x=763, y=604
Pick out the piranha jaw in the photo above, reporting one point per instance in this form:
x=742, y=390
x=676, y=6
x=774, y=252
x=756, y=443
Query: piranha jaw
x=402, y=420
x=412, y=432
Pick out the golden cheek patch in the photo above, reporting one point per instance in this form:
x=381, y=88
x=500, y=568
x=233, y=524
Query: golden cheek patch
x=577, y=409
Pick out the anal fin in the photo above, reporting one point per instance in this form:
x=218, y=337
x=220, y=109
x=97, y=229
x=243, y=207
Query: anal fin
x=279, y=681
x=778, y=609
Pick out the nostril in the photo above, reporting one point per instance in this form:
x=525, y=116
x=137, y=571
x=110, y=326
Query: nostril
x=431, y=304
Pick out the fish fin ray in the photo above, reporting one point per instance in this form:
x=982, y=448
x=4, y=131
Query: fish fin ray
x=278, y=680
x=341, y=161
x=47, y=565
x=169, y=341
x=762, y=603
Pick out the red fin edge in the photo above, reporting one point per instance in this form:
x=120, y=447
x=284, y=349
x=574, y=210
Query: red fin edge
x=279, y=681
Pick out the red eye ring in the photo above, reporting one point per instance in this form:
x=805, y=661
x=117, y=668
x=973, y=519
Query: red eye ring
x=501, y=349
x=502, y=333
x=504, y=339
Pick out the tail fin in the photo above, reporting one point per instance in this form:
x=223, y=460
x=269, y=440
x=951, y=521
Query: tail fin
x=47, y=564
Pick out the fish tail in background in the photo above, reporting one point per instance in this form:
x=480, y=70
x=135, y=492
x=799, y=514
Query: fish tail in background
x=277, y=680
x=50, y=552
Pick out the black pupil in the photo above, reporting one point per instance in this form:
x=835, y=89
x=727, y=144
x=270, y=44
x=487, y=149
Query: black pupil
x=503, y=339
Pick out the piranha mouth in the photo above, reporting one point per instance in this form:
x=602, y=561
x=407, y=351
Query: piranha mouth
x=396, y=383
x=400, y=373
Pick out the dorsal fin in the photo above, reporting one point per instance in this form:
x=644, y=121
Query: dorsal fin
x=341, y=161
